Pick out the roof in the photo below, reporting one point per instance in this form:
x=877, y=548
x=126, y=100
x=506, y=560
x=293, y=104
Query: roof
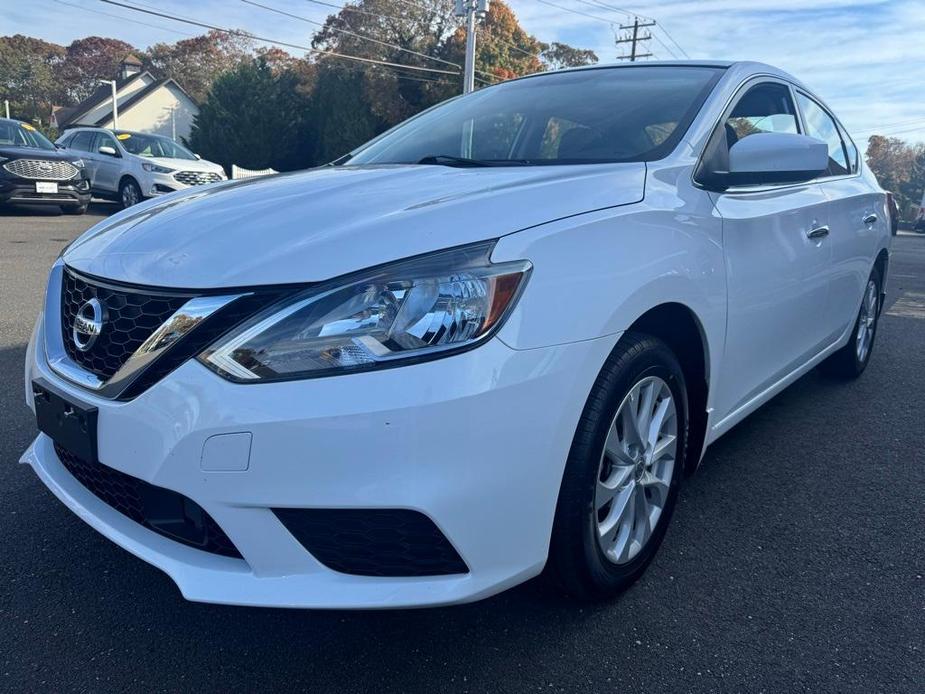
x=131, y=59
x=140, y=95
x=100, y=94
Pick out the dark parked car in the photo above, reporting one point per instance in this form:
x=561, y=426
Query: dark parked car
x=33, y=171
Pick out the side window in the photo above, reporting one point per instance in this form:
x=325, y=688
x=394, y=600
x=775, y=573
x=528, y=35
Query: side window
x=851, y=149
x=82, y=141
x=765, y=108
x=105, y=140
x=821, y=125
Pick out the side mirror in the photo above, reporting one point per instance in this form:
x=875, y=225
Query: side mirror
x=197, y=156
x=767, y=158
x=108, y=151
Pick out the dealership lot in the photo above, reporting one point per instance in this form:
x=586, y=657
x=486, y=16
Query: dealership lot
x=794, y=561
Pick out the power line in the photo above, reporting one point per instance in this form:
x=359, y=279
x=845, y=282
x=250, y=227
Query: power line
x=574, y=11
x=350, y=33
x=123, y=19
x=308, y=49
x=659, y=27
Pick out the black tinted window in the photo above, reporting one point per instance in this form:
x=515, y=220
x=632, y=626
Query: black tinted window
x=586, y=116
x=765, y=108
x=82, y=141
x=821, y=125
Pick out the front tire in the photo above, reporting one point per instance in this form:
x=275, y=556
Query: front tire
x=623, y=472
x=850, y=361
x=129, y=193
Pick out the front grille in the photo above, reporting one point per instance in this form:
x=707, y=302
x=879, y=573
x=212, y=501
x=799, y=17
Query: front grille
x=41, y=169
x=197, y=178
x=164, y=511
x=373, y=542
x=129, y=318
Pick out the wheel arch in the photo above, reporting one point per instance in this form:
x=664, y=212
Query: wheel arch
x=682, y=330
x=882, y=264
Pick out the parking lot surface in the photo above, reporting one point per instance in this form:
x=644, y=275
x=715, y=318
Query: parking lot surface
x=794, y=561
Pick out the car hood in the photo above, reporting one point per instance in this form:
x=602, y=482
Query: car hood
x=184, y=164
x=9, y=152
x=317, y=224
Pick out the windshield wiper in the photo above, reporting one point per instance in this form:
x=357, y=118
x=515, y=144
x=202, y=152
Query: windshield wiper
x=449, y=160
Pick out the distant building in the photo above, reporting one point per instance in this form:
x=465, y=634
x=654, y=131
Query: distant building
x=145, y=103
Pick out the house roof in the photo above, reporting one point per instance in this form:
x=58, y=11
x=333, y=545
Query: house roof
x=100, y=94
x=131, y=59
x=140, y=96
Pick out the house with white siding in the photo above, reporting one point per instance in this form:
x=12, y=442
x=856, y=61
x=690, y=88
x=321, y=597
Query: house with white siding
x=145, y=104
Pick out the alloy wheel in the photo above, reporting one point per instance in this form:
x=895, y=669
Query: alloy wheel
x=867, y=321
x=636, y=469
x=129, y=195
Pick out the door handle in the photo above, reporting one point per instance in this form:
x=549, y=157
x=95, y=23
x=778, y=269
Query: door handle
x=817, y=233
x=870, y=219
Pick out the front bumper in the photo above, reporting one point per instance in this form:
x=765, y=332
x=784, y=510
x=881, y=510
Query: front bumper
x=155, y=184
x=22, y=191
x=477, y=442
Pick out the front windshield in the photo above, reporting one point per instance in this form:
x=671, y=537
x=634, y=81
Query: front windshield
x=16, y=134
x=579, y=117
x=153, y=146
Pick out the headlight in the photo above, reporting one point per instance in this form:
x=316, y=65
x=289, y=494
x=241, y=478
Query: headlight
x=412, y=310
x=147, y=166
x=79, y=163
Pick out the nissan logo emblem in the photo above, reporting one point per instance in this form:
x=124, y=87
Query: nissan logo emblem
x=88, y=324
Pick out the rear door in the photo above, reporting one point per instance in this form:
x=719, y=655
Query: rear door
x=82, y=143
x=858, y=214
x=777, y=260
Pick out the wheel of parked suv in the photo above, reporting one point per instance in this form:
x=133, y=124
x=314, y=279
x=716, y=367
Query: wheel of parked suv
x=623, y=472
x=129, y=193
x=74, y=209
x=851, y=360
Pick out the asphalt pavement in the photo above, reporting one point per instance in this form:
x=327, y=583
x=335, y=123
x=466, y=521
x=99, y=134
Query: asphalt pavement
x=794, y=561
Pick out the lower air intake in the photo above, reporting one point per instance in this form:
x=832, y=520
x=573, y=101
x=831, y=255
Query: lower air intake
x=374, y=542
x=164, y=511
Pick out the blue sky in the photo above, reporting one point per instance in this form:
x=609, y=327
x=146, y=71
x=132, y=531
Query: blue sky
x=866, y=58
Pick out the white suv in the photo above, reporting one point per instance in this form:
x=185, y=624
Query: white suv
x=493, y=340
x=131, y=166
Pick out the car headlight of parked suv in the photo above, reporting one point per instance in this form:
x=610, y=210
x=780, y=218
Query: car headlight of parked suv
x=415, y=309
x=154, y=168
x=79, y=163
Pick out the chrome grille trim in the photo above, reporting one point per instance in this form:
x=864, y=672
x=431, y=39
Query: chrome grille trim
x=42, y=169
x=196, y=178
x=180, y=323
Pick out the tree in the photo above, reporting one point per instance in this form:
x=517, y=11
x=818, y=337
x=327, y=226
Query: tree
x=560, y=55
x=89, y=60
x=29, y=75
x=899, y=167
x=253, y=118
x=197, y=62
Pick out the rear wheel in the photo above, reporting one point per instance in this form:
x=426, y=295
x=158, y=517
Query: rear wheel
x=851, y=360
x=621, y=480
x=129, y=193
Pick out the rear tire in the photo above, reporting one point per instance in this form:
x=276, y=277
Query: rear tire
x=596, y=549
x=850, y=361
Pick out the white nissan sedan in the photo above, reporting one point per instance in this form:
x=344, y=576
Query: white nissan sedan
x=490, y=342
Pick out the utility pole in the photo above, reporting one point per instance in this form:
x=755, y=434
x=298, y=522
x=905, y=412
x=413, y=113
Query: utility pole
x=471, y=10
x=634, y=39
x=115, y=103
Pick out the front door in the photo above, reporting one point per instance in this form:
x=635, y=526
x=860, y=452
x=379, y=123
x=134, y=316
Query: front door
x=108, y=167
x=777, y=262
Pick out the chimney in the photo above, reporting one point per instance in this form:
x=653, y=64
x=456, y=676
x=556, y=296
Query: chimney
x=129, y=66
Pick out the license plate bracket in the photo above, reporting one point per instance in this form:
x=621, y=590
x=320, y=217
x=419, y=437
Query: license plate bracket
x=46, y=187
x=67, y=423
